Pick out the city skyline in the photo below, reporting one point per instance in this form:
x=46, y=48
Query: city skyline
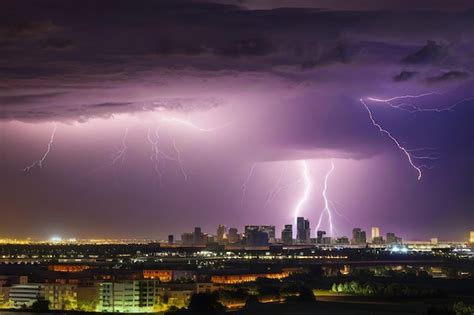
x=161, y=116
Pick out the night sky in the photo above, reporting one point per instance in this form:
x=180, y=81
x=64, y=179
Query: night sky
x=174, y=114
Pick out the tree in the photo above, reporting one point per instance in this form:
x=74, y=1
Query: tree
x=40, y=305
x=306, y=295
x=205, y=302
x=334, y=287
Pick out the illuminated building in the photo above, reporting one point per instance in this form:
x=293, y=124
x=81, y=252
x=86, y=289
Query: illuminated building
x=60, y=296
x=221, y=234
x=234, y=279
x=342, y=241
x=162, y=275
x=233, y=236
x=392, y=239
x=68, y=268
x=471, y=237
x=319, y=236
x=287, y=234
x=378, y=240
x=434, y=241
x=259, y=235
x=375, y=233
x=24, y=295
x=130, y=296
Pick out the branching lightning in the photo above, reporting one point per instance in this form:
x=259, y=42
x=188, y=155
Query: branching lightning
x=327, y=202
x=423, y=153
x=120, y=155
x=180, y=161
x=45, y=155
x=245, y=183
x=276, y=188
x=307, y=184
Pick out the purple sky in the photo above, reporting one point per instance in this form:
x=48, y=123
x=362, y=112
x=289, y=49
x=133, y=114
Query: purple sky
x=196, y=94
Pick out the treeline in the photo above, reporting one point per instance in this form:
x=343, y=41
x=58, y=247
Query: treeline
x=380, y=289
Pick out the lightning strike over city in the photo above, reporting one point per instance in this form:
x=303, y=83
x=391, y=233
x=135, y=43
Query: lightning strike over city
x=254, y=157
x=327, y=203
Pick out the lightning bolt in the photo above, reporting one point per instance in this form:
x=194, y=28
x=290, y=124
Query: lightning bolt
x=327, y=202
x=391, y=137
x=156, y=153
x=245, y=183
x=412, y=108
x=307, y=189
x=45, y=155
x=180, y=161
x=120, y=155
x=191, y=124
x=276, y=188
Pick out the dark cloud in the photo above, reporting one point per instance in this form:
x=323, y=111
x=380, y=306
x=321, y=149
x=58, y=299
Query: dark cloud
x=339, y=54
x=429, y=53
x=405, y=76
x=57, y=44
x=449, y=76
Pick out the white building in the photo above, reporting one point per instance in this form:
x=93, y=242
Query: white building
x=130, y=296
x=24, y=295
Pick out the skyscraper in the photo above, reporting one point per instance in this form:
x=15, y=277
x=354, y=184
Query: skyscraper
x=471, y=237
x=233, y=236
x=303, y=231
x=358, y=236
x=375, y=233
x=287, y=234
x=221, y=234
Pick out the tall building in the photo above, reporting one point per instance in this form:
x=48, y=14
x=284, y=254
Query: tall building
x=319, y=236
x=359, y=237
x=287, y=234
x=24, y=295
x=303, y=231
x=170, y=239
x=198, y=236
x=60, y=296
x=233, y=236
x=269, y=229
x=129, y=296
x=392, y=239
x=221, y=234
x=375, y=233
x=471, y=237
x=187, y=238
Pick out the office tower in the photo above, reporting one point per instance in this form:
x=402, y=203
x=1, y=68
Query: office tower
x=170, y=239
x=307, y=230
x=434, y=241
x=269, y=229
x=303, y=231
x=233, y=236
x=198, y=237
x=319, y=236
x=392, y=239
x=375, y=233
x=342, y=241
x=471, y=237
x=300, y=231
x=378, y=240
x=256, y=235
x=358, y=236
x=287, y=234
x=221, y=234
x=187, y=238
